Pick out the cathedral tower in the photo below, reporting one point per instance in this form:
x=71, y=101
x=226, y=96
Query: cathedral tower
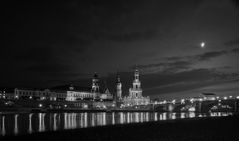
x=95, y=84
x=136, y=91
x=118, y=88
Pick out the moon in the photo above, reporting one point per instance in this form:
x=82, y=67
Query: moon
x=202, y=45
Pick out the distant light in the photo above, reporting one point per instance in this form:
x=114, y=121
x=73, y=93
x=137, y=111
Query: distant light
x=202, y=44
x=230, y=96
x=225, y=98
x=192, y=100
x=173, y=101
x=85, y=106
x=104, y=106
x=192, y=109
x=237, y=97
x=213, y=98
x=182, y=101
x=164, y=102
x=65, y=105
x=40, y=105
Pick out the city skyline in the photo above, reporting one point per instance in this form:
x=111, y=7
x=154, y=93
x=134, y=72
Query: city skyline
x=181, y=48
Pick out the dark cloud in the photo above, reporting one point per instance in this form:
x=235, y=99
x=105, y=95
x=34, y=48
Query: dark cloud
x=210, y=55
x=187, y=80
x=235, y=50
x=180, y=63
x=232, y=42
x=166, y=67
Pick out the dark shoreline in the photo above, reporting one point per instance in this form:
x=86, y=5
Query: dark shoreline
x=199, y=129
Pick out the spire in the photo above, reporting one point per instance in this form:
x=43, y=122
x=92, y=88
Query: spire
x=118, y=95
x=117, y=78
x=95, y=83
x=136, y=74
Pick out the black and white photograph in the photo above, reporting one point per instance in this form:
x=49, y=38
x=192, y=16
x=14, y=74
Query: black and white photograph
x=119, y=70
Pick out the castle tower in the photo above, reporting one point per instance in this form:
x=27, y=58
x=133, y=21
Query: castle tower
x=136, y=91
x=118, y=88
x=95, y=84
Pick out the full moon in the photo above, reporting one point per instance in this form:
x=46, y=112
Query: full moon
x=202, y=45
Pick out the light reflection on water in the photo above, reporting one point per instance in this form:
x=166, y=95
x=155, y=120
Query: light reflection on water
x=15, y=124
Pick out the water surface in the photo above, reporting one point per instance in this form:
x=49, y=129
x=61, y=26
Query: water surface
x=27, y=123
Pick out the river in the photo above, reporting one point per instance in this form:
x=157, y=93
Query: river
x=27, y=123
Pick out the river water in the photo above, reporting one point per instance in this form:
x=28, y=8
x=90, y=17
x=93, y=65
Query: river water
x=27, y=123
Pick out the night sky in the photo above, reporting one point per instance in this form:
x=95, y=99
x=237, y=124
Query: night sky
x=47, y=44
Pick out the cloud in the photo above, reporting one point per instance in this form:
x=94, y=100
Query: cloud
x=232, y=42
x=160, y=84
x=167, y=67
x=235, y=50
x=209, y=55
x=176, y=64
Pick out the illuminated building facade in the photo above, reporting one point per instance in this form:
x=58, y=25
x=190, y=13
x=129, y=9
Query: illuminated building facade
x=2, y=94
x=45, y=94
x=118, y=88
x=135, y=93
x=209, y=96
x=93, y=94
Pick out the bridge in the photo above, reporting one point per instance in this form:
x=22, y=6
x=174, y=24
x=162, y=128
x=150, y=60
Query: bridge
x=216, y=104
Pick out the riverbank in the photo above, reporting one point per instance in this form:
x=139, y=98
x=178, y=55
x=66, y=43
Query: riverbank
x=200, y=129
x=67, y=110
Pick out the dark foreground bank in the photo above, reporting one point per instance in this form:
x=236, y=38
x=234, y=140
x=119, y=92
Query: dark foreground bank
x=203, y=129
